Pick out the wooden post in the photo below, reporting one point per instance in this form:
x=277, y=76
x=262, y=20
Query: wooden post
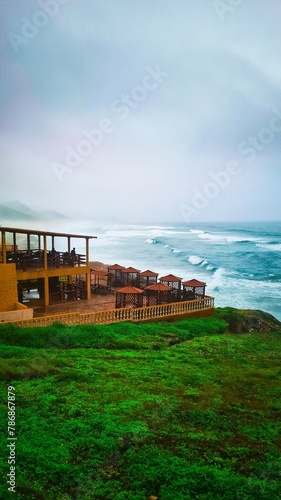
x=28, y=244
x=45, y=253
x=4, y=254
x=88, y=285
x=87, y=251
x=46, y=291
x=15, y=242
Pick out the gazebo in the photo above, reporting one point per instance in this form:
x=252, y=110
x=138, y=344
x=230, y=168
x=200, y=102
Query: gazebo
x=129, y=296
x=115, y=274
x=158, y=294
x=193, y=289
x=148, y=278
x=130, y=276
x=99, y=280
x=175, y=283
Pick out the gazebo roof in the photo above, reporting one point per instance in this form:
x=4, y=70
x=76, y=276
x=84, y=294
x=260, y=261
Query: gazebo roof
x=130, y=270
x=149, y=274
x=171, y=278
x=194, y=283
x=129, y=289
x=99, y=272
x=159, y=287
x=115, y=267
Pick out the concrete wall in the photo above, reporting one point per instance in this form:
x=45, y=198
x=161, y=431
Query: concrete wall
x=8, y=287
x=19, y=312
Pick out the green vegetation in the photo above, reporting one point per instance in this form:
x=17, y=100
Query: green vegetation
x=176, y=410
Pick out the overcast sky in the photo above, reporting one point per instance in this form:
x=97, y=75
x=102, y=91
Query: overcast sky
x=143, y=110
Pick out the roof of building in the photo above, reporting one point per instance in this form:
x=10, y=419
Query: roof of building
x=171, y=278
x=130, y=270
x=149, y=274
x=42, y=233
x=98, y=272
x=159, y=287
x=129, y=289
x=194, y=283
x=115, y=267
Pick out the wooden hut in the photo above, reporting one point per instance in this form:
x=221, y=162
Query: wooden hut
x=193, y=289
x=99, y=280
x=130, y=276
x=114, y=277
x=147, y=278
x=158, y=294
x=175, y=283
x=129, y=296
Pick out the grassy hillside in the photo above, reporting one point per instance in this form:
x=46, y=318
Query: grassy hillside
x=182, y=411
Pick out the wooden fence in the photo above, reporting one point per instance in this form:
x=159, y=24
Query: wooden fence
x=150, y=313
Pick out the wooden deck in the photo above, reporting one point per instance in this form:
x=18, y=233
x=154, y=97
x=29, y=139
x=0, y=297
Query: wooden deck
x=175, y=310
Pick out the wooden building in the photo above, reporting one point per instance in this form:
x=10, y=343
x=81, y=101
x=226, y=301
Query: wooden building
x=175, y=283
x=33, y=255
x=129, y=296
x=193, y=289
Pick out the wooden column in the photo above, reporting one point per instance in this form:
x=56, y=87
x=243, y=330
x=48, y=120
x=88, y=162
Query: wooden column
x=4, y=254
x=46, y=291
x=46, y=279
x=87, y=251
x=45, y=252
x=15, y=242
x=28, y=244
x=88, y=285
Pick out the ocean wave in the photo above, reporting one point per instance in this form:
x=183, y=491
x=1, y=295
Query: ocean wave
x=196, y=231
x=271, y=247
x=226, y=239
x=218, y=280
x=195, y=260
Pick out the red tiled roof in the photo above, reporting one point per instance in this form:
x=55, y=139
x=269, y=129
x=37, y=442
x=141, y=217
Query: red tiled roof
x=194, y=283
x=159, y=287
x=116, y=267
x=99, y=272
x=171, y=278
x=149, y=274
x=130, y=270
x=129, y=289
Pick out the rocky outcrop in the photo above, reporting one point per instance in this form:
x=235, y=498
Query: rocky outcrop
x=244, y=321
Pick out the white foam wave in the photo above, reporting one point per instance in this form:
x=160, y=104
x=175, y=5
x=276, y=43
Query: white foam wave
x=203, y=263
x=176, y=250
x=272, y=247
x=225, y=238
x=195, y=260
x=149, y=241
x=196, y=231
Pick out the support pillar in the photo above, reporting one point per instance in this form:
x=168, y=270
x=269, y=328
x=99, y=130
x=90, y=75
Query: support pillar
x=46, y=291
x=14, y=242
x=88, y=285
x=4, y=254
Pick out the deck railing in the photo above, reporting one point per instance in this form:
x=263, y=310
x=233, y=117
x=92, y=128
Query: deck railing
x=149, y=313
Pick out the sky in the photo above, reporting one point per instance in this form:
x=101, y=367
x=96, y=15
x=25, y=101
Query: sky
x=142, y=110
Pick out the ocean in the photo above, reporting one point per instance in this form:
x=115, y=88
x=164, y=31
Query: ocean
x=240, y=262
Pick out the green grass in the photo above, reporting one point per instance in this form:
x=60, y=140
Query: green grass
x=179, y=410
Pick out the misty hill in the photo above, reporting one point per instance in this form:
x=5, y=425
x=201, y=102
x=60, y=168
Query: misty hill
x=16, y=211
